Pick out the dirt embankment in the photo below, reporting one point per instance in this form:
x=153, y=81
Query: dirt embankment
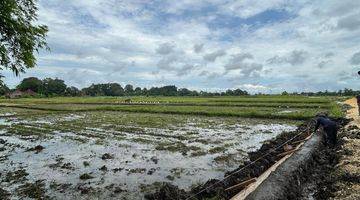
x=347, y=172
x=332, y=173
x=336, y=171
x=215, y=189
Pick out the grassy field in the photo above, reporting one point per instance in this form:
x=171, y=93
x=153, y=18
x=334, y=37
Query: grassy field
x=280, y=107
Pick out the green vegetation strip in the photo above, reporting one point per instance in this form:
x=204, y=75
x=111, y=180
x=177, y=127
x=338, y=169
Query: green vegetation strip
x=228, y=104
x=249, y=112
x=194, y=100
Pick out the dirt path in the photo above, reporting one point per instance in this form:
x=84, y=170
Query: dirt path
x=347, y=172
x=353, y=113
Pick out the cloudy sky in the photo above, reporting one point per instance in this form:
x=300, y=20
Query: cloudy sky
x=257, y=45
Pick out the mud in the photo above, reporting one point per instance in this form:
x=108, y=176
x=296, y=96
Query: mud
x=344, y=179
x=85, y=176
x=4, y=194
x=308, y=178
x=70, y=149
x=34, y=190
x=37, y=149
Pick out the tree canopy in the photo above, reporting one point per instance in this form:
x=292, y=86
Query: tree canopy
x=3, y=88
x=57, y=87
x=20, y=36
x=31, y=83
x=53, y=87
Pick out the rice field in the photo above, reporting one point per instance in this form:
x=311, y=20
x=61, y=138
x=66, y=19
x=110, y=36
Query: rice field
x=105, y=147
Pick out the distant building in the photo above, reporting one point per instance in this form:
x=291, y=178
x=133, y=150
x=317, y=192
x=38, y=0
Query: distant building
x=18, y=94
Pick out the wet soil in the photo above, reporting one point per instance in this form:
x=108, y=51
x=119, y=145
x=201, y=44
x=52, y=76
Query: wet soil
x=311, y=182
x=72, y=156
x=345, y=182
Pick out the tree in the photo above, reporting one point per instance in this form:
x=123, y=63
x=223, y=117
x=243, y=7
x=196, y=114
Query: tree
x=137, y=91
x=94, y=90
x=184, y=92
x=145, y=91
x=72, y=91
x=114, y=89
x=20, y=35
x=53, y=87
x=239, y=92
x=169, y=90
x=3, y=88
x=229, y=93
x=129, y=89
x=284, y=93
x=31, y=83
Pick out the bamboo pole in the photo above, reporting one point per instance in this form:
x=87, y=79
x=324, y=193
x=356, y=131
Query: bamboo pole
x=242, y=184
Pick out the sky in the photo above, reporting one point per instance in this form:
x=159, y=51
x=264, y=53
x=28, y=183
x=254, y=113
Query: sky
x=212, y=45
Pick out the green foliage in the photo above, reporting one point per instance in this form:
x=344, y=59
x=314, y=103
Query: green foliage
x=47, y=87
x=72, y=91
x=265, y=107
x=20, y=35
x=53, y=87
x=114, y=89
x=345, y=92
x=3, y=88
x=108, y=89
x=129, y=89
x=31, y=83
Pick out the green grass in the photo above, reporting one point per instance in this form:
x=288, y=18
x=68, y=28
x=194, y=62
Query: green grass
x=271, y=107
x=249, y=99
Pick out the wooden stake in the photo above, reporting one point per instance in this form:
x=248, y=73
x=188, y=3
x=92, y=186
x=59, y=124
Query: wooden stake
x=242, y=184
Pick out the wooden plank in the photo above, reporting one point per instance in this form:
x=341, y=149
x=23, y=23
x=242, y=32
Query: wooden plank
x=242, y=184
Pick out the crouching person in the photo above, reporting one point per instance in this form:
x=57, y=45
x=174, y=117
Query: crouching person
x=329, y=127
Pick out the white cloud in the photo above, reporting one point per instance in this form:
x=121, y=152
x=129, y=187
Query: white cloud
x=253, y=87
x=249, y=8
x=185, y=43
x=296, y=57
x=211, y=57
x=244, y=62
x=355, y=59
x=350, y=23
x=198, y=48
x=165, y=48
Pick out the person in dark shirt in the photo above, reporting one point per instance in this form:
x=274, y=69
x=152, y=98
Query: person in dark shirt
x=329, y=127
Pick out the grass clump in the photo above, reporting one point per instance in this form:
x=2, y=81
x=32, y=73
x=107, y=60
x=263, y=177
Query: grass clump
x=16, y=176
x=85, y=176
x=33, y=190
x=217, y=150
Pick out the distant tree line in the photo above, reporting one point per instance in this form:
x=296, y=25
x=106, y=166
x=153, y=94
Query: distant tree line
x=57, y=87
x=344, y=92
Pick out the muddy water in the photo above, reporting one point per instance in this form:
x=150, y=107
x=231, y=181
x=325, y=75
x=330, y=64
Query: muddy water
x=133, y=166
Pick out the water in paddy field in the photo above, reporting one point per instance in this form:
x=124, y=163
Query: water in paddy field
x=98, y=162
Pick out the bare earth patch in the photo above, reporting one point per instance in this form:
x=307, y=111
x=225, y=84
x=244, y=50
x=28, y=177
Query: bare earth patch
x=347, y=172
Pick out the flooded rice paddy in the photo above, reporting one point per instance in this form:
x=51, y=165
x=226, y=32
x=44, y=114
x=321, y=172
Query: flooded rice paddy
x=94, y=155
